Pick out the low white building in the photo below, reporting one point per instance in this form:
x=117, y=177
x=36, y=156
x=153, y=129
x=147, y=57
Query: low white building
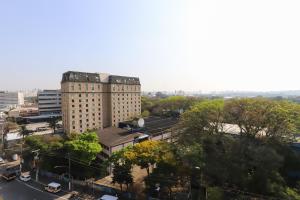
x=49, y=102
x=11, y=100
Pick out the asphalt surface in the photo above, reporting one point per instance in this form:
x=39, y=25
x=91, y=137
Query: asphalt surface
x=18, y=190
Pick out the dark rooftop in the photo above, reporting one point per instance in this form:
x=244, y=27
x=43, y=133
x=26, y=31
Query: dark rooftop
x=72, y=76
x=113, y=136
x=124, y=80
x=154, y=125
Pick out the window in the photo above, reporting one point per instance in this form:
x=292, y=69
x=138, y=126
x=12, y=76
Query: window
x=87, y=110
x=73, y=127
x=73, y=106
x=72, y=100
x=87, y=105
x=86, y=95
x=73, y=117
x=79, y=95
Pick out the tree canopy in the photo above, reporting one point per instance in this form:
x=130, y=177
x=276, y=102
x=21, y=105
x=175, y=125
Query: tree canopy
x=84, y=147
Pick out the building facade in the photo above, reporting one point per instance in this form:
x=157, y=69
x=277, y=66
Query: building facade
x=95, y=101
x=49, y=102
x=11, y=99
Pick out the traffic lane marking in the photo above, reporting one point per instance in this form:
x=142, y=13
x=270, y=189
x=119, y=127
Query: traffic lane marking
x=54, y=195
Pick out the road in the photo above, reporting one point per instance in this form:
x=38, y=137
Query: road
x=17, y=190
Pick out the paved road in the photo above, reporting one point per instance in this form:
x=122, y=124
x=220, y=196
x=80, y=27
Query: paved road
x=17, y=190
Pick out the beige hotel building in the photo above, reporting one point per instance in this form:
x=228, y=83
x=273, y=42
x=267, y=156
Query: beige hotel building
x=96, y=101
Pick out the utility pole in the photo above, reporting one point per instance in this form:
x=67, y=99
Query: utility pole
x=21, y=157
x=36, y=160
x=69, y=171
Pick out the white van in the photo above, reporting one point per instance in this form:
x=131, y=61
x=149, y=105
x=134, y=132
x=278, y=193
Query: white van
x=53, y=187
x=108, y=197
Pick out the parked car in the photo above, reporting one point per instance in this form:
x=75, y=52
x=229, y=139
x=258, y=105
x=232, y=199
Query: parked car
x=108, y=197
x=25, y=177
x=2, y=161
x=53, y=187
x=9, y=176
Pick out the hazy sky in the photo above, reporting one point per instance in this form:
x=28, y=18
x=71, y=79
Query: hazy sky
x=170, y=44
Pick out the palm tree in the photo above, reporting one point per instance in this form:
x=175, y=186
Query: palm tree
x=53, y=123
x=24, y=132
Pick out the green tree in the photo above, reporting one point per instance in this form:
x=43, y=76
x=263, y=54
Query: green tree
x=205, y=117
x=122, y=175
x=263, y=117
x=23, y=131
x=246, y=161
x=53, y=123
x=85, y=147
x=145, y=113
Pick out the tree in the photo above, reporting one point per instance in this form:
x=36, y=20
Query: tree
x=205, y=117
x=252, y=161
x=85, y=147
x=263, y=117
x=145, y=113
x=146, y=154
x=53, y=123
x=24, y=132
x=122, y=175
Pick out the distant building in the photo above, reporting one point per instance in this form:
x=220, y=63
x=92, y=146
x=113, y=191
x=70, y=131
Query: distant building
x=23, y=112
x=96, y=101
x=49, y=102
x=11, y=99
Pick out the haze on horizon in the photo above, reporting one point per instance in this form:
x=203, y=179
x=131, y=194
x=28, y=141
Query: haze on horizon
x=192, y=45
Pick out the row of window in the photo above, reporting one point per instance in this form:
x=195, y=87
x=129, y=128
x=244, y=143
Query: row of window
x=94, y=87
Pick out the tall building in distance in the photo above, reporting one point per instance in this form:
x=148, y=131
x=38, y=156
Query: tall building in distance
x=49, y=102
x=97, y=101
x=11, y=99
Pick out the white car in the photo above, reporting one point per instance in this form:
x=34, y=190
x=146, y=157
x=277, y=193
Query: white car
x=108, y=197
x=25, y=177
x=2, y=161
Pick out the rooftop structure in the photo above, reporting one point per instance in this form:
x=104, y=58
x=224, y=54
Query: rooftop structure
x=155, y=128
